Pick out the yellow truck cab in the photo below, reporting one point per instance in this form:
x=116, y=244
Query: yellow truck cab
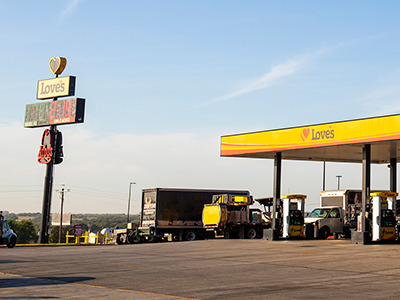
x=230, y=215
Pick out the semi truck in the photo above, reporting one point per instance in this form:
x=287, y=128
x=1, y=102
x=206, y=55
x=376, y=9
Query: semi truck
x=230, y=215
x=170, y=213
x=8, y=237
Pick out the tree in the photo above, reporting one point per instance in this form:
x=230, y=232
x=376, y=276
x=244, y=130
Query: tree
x=25, y=230
x=55, y=232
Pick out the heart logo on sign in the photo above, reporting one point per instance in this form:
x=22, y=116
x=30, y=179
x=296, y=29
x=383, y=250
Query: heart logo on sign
x=57, y=65
x=305, y=133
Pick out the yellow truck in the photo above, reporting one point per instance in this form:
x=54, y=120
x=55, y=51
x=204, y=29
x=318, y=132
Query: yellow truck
x=170, y=214
x=230, y=215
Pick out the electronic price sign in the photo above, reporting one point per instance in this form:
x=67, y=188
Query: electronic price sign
x=68, y=111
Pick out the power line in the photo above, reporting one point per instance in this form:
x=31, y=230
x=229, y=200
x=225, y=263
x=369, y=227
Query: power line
x=99, y=191
x=24, y=191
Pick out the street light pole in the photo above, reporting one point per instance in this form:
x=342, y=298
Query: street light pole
x=129, y=200
x=338, y=181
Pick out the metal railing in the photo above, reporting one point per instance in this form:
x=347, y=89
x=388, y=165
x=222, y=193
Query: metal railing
x=85, y=238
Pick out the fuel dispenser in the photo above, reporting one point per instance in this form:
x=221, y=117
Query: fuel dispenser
x=293, y=215
x=383, y=216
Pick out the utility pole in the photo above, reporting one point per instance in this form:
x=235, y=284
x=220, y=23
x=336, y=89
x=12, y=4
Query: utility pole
x=129, y=201
x=62, y=192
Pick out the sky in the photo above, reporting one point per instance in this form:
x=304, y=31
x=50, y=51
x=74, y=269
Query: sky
x=164, y=80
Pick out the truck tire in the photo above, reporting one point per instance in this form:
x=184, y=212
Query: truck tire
x=118, y=239
x=122, y=238
x=251, y=233
x=325, y=232
x=12, y=243
x=134, y=239
x=189, y=235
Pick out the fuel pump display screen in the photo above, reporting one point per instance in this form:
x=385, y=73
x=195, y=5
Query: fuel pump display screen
x=296, y=218
x=388, y=218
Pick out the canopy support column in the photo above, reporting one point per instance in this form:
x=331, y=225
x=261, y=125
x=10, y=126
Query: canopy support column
x=393, y=174
x=361, y=235
x=273, y=233
x=393, y=182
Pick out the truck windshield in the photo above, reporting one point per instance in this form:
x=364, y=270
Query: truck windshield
x=319, y=213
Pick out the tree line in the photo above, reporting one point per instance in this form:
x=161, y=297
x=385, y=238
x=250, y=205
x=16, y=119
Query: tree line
x=27, y=225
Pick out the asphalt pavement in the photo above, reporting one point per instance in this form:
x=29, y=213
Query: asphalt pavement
x=210, y=269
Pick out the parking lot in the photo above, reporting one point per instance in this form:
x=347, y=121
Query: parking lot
x=210, y=269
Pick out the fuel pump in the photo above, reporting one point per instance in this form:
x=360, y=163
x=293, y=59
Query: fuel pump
x=383, y=216
x=293, y=215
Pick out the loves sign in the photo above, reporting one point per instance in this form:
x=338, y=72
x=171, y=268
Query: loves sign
x=317, y=135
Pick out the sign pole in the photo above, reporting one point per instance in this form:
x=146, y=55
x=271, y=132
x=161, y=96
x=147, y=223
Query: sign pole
x=67, y=111
x=48, y=187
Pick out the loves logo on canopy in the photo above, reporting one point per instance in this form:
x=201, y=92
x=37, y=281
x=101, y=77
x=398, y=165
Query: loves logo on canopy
x=305, y=133
x=317, y=134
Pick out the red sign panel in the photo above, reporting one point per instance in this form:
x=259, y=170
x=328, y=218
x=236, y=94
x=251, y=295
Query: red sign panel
x=46, y=149
x=78, y=230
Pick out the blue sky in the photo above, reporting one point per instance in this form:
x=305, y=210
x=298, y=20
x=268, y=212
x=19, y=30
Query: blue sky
x=163, y=80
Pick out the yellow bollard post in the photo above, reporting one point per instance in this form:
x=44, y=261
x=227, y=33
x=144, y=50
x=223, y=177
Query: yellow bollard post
x=87, y=237
x=67, y=237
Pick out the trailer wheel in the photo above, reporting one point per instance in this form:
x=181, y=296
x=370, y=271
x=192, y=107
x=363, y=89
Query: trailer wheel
x=251, y=233
x=189, y=235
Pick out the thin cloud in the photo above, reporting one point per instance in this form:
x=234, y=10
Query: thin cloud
x=72, y=5
x=383, y=98
x=277, y=72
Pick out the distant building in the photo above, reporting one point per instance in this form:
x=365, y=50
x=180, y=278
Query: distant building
x=66, y=219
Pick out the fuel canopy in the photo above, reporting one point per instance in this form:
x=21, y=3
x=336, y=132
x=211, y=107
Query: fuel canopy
x=337, y=142
x=366, y=141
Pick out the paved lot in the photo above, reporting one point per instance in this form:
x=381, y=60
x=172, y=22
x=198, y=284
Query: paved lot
x=213, y=269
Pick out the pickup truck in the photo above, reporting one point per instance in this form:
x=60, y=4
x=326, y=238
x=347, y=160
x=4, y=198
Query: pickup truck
x=328, y=220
